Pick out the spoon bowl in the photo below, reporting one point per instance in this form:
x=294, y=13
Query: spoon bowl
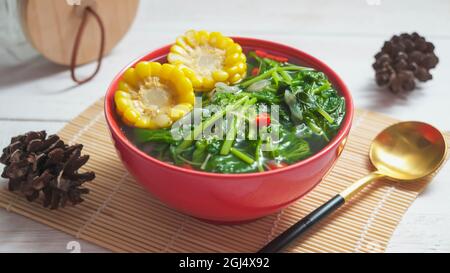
x=408, y=151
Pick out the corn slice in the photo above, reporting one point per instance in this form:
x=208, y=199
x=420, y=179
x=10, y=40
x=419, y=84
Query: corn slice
x=153, y=96
x=207, y=58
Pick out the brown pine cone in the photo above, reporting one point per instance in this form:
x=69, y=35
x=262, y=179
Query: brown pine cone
x=36, y=163
x=403, y=59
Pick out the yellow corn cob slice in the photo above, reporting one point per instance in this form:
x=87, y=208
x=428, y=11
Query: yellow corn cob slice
x=151, y=95
x=207, y=58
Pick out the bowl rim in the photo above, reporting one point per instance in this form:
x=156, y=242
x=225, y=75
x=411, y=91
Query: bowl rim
x=288, y=51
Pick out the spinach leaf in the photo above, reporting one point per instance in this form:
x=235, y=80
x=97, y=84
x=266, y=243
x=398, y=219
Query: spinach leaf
x=158, y=150
x=214, y=145
x=157, y=135
x=292, y=148
x=268, y=96
x=200, y=152
x=294, y=107
x=222, y=99
x=229, y=164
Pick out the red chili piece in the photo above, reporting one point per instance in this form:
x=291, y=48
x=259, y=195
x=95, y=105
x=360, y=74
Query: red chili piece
x=255, y=71
x=274, y=165
x=263, y=119
x=264, y=54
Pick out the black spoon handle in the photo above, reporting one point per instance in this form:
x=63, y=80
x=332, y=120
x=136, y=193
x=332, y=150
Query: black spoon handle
x=303, y=225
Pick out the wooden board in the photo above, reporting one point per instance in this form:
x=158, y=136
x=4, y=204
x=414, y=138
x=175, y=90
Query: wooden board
x=51, y=26
x=121, y=216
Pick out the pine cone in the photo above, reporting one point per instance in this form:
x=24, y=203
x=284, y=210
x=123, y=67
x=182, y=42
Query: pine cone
x=36, y=163
x=402, y=60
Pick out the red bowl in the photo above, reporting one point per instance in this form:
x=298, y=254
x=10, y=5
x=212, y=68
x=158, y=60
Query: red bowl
x=230, y=197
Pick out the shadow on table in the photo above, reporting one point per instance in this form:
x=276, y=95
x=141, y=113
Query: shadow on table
x=28, y=71
x=380, y=98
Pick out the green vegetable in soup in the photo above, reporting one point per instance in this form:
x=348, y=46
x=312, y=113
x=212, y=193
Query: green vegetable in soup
x=310, y=112
x=229, y=164
x=157, y=135
x=291, y=148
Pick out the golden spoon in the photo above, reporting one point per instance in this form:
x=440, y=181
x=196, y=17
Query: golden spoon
x=405, y=151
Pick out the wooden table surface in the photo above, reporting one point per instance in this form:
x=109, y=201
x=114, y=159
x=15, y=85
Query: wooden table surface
x=37, y=94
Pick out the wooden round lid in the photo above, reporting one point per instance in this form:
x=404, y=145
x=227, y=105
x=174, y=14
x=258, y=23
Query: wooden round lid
x=51, y=26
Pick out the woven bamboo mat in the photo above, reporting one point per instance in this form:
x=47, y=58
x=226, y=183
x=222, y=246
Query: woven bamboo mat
x=121, y=216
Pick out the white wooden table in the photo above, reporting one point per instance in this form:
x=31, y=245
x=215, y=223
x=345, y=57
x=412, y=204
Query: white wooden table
x=39, y=95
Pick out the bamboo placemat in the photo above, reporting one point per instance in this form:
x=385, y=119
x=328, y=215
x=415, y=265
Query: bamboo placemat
x=121, y=216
